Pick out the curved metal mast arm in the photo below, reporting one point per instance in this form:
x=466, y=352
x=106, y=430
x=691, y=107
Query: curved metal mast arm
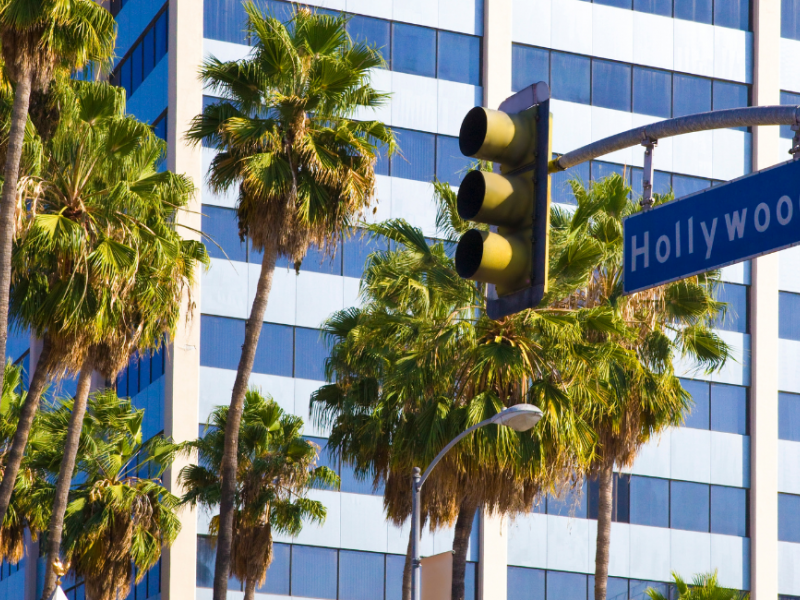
x=718, y=119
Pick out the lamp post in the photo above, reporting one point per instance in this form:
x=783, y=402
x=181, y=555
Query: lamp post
x=521, y=417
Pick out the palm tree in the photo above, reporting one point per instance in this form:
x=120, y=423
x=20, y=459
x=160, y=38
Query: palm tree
x=117, y=517
x=304, y=167
x=22, y=514
x=101, y=269
x=39, y=38
x=644, y=397
x=703, y=587
x=276, y=468
x=414, y=367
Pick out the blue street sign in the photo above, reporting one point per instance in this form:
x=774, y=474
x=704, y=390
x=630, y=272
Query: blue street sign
x=713, y=228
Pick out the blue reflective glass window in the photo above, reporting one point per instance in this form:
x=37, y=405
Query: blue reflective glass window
x=221, y=342
x=729, y=408
x=356, y=251
x=690, y=95
x=655, y=7
x=730, y=95
x=790, y=19
x=789, y=316
x=222, y=226
x=160, y=128
x=662, y=182
x=732, y=13
x=789, y=417
x=789, y=99
x=394, y=577
x=314, y=572
x=133, y=376
x=357, y=484
x=571, y=504
x=611, y=85
x=693, y=10
x=698, y=415
x=125, y=76
x=470, y=581
x=789, y=518
x=459, y=58
x=525, y=584
x=621, y=511
x=144, y=370
x=323, y=261
x=529, y=65
x=560, y=188
x=122, y=383
x=310, y=354
x=274, y=353
x=136, y=68
x=360, y=575
x=649, y=501
x=689, y=506
x=683, y=185
x=570, y=77
x=617, y=3
x=451, y=165
x=282, y=11
x=382, y=158
x=324, y=457
x=638, y=589
x=617, y=588
x=414, y=49
x=149, y=51
x=652, y=92
x=154, y=580
x=225, y=20
x=566, y=586
x=418, y=158
x=18, y=343
x=373, y=32
x=601, y=170
x=278, y=574
x=206, y=557
x=728, y=510
x=162, y=35
x=735, y=317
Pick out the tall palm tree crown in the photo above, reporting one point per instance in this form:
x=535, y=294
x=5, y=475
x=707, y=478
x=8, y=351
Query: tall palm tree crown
x=643, y=395
x=277, y=467
x=304, y=167
x=120, y=514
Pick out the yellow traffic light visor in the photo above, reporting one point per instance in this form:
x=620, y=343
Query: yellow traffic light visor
x=499, y=137
x=494, y=258
x=491, y=198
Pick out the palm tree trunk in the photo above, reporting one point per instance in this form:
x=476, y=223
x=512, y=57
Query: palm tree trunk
x=606, y=481
x=249, y=589
x=16, y=138
x=407, y=570
x=228, y=467
x=64, y=482
x=466, y=516
x=27, y=414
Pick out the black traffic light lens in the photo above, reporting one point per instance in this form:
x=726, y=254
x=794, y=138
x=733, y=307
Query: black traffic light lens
x=471, y=193
x=469, y=254
x=473, y=131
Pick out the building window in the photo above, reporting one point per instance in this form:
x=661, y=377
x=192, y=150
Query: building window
x=221, y=227
x=789, y=417
x=699, y=413
x=459, y=58
x=527, y=584
x=566, y=586
x=417, y=160
x=361, y=575
x=314, y=572
x=571, y=77
x=690, y=95
x=790, y=19
x=655, y=7
x=789, y=518
x=451, y=165
x=729, y=408
x=144, y=55
x=735, y=316
x=651, y=92
x=689, y=506
x=695, y=10
x=729, y=511
x=611, y=85
x=414, y=49
x=373, y=32
x=615, y=3
x=530, y=65
x=789, y=316
x=275, y=352
x=649, y=501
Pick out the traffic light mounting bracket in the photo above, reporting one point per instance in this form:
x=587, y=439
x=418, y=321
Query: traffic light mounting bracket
x=537, y=94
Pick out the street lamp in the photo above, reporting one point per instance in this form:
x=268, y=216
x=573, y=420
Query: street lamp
x=520, y=417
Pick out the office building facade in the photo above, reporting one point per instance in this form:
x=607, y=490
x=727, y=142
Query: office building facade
x=720, y=493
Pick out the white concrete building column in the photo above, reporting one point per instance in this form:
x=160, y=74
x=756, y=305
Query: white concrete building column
x=764, y=326
x=182, y=377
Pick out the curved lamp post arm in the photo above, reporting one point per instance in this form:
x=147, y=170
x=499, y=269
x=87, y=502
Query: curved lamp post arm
x=447, y=448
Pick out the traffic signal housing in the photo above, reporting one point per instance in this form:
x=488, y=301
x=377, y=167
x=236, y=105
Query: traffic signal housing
x=512, y=257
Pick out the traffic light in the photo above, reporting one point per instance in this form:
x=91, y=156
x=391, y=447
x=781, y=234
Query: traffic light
x=513, y=256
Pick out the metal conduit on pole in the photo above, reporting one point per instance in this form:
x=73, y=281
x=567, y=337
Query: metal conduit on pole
x=718, y=119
